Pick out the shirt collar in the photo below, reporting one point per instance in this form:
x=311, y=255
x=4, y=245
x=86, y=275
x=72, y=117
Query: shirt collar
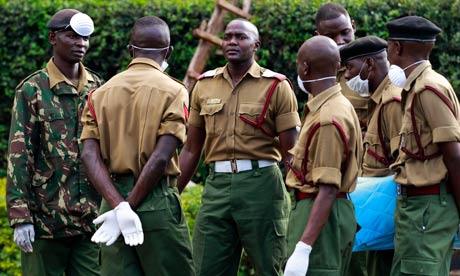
x=55, y=76
x=414, y=74
x=147, y=61
x=317, y=101
x=254, y=70
x=377, y=95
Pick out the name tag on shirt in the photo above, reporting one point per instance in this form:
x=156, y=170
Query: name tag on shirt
x=214, y=101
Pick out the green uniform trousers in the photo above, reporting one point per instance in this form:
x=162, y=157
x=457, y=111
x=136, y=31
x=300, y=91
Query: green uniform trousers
x=247, y=210
x=425, y=227
x=331, y=252
x=371, y=263
x=72, y=256
x=166, y=249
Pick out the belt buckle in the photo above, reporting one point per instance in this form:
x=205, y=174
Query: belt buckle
x=234, y=166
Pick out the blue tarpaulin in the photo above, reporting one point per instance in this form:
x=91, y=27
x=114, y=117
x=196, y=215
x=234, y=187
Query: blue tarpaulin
x=375, y=202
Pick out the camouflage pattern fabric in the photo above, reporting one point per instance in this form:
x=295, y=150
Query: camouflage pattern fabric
x=46, y=181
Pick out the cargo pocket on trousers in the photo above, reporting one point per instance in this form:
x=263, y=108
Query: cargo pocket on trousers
x=175, y=208
x=419, y=267
x=279, y=241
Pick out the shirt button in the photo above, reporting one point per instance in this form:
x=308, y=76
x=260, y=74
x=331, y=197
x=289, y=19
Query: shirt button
x=232, y=113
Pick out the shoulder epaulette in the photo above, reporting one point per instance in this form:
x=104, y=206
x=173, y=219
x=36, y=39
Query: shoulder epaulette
x=270, y=74
x=29, y=77
x=93, y=72
x=176, y=80
x=207, y=74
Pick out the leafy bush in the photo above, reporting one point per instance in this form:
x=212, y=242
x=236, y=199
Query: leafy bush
x=10, y=256
x=191, y=202
x=283, y=26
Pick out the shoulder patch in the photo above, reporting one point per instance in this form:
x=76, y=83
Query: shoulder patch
x=207, y=74
x=29, y=77
x=270, y=74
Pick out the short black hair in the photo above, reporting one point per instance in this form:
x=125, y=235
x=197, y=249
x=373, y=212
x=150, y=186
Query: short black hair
x=330, y=11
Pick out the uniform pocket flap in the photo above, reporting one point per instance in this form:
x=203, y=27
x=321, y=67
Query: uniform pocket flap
x=251, y=109
x=211, y=109
x=280, y=226
x=52, y=115
x=41, y=177
x=419, y=267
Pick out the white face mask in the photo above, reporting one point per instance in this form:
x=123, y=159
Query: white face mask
x=300, y=82
x=397, y=76
x=82, y=24
x=359, y=85
x=164, y=64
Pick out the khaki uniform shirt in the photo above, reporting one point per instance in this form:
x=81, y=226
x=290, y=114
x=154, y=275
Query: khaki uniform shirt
x=360, y=104
x=385, y=105
x=133, y=110
x=327, y=150
x=216, y=106
x=435, y=123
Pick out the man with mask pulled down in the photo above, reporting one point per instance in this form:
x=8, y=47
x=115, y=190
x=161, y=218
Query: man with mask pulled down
x=327, y=157
x=426, y=217
x=132, y=128
x=366, y=64
x=51, y=203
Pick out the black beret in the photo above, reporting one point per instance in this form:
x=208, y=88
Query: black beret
x=61, y=19
x=365, y=46
x=412, y=28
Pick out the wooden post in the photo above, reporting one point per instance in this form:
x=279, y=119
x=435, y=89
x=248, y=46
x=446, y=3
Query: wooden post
x=203, y=51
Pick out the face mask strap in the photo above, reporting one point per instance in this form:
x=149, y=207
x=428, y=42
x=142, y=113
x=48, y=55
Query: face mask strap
x=415, y=63
x=320, y=79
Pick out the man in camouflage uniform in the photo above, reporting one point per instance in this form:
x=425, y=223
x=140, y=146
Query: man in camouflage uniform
x=50, y=203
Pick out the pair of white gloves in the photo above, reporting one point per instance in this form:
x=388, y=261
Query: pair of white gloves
x=121, y=220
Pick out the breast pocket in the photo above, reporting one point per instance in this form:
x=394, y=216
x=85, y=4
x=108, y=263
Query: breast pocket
x=408, y=134
x=210, y=112
x=252, y=112
x=54, y=128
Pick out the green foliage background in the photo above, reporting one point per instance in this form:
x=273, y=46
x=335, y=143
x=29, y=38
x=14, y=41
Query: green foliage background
x=283, y=26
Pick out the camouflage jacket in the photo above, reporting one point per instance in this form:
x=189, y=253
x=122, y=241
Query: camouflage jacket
x=46, y=181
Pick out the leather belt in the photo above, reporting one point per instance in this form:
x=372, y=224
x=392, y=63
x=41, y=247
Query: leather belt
x=410, y=190
x=300, y=195
x=171, y=180
x=236, y=166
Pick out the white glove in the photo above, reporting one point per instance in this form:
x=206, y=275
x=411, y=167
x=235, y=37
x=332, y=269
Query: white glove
x=297, y=265
x=130, y=224
x=24, y=236
x=109, y=231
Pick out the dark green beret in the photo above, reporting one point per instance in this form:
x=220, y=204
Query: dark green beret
x=412, y=28
x=61, y=19
x=362, y=47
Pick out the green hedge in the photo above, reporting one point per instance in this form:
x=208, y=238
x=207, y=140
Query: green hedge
x=283, y=26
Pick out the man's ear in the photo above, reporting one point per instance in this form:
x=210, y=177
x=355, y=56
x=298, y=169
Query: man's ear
x=370, y=63
x=257, y=45
x=170, y=51
x=353, y=26
x=52, y=38
x=399, y=47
